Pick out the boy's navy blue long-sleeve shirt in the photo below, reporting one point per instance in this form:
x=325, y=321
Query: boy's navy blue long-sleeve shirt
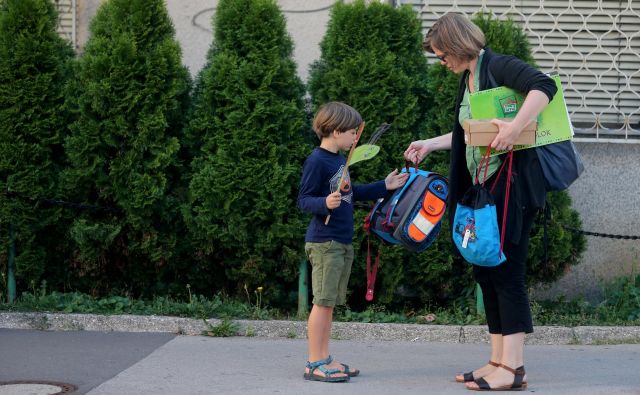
x=320, y=176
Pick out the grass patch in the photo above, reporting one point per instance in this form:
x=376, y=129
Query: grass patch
x=226, y=328
x=217, y=306
x=621, y=307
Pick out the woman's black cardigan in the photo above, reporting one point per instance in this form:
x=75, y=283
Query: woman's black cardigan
x=527, y=190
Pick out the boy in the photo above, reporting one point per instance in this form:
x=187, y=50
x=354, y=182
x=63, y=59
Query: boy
x=328, y=247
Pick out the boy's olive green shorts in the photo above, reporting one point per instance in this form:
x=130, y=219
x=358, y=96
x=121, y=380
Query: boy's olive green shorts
x=331, y=267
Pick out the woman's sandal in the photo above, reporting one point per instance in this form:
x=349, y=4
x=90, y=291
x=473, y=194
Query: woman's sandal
x=518, y=381
x=468, y=377
x=329, y=374
x=350, y=373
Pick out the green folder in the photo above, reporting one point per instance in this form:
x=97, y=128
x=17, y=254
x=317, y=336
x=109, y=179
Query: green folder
x=502, y=102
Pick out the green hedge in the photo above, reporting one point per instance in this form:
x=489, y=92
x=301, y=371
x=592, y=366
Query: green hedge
x=34, y=63
x=131, y=94
x=197, y=194
x=246, y=133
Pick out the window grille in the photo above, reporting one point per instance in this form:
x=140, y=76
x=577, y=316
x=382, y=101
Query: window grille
x=594, y=45
x=66, y=20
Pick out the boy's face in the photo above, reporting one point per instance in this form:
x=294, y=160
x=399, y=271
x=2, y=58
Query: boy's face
x=345, y=139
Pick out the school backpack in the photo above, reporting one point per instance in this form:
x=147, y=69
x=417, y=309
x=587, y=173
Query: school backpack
x=409, y=216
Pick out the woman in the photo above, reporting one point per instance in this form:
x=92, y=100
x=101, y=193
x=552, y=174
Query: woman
x=460, y=45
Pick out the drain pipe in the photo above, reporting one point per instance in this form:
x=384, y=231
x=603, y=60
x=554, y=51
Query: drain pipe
x=303, y=290
x=11, y=267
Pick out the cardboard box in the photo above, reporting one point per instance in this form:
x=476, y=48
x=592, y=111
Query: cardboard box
x=481, y=132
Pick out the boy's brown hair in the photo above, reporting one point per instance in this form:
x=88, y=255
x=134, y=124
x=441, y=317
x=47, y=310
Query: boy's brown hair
x=454, y=34
x=335, y=116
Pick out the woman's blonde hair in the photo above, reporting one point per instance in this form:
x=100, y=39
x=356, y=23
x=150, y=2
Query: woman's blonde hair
x=335, y=116
x=454, y=34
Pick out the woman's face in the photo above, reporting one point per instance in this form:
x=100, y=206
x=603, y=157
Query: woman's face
x=453, y=63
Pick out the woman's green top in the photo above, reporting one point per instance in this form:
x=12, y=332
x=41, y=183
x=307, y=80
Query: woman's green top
x=473, y=153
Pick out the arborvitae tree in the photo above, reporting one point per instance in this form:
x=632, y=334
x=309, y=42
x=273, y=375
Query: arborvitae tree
x=564, y=246
x=372, y=59
x=33, y=68
x=247, y=132
x=131, y=93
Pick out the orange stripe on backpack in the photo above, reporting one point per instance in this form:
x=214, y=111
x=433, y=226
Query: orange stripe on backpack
x=415, y=233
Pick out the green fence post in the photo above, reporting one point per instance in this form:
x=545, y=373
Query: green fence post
x=11, y=267
x=303, y=290
x=479, y=300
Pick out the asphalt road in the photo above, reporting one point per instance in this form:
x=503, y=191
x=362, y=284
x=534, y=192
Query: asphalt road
x=85, y=359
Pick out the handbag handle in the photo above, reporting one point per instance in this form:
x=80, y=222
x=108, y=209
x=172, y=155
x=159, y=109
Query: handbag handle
x=505, y=207
x=486, y=157
x=485, y=162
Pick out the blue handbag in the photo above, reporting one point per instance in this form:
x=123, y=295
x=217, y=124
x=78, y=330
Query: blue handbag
x=475, y=229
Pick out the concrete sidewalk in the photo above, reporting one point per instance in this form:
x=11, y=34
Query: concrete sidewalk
x=199, y=365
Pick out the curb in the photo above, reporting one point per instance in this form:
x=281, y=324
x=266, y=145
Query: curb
x=543, y=335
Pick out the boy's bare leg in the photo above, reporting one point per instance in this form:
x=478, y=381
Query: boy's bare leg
x=512, y=356
x=335, y=364
x=318, y=332
x=496, y=356
x=326, y=332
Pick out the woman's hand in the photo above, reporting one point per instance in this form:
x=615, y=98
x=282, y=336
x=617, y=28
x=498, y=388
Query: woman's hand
x=395, y=180
x=507, y=135
x=417, y=151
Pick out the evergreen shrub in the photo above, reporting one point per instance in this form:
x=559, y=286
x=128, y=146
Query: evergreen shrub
x=131, y=94
x=372, y=59
x=34, y=64
x=246, y=132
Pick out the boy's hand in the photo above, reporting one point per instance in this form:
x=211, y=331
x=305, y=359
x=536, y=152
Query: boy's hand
x=333, y=200
x=395, y=180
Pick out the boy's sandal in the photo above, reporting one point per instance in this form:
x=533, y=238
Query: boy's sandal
x=468, y=377
x=328, y=373
x=518, y=381
x=350, y=373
